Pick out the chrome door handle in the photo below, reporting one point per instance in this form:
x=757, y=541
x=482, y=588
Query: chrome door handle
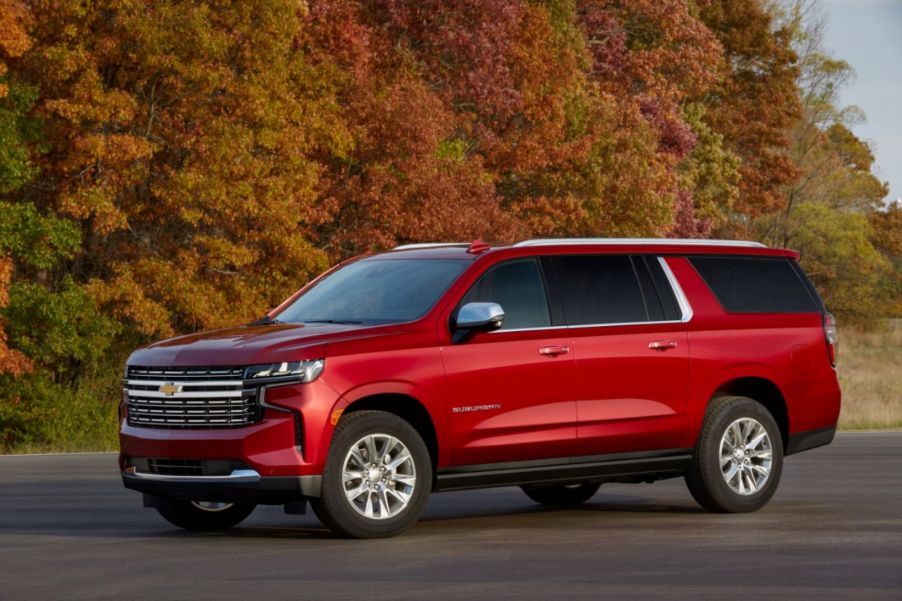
x=662, y=345
x=554, y=351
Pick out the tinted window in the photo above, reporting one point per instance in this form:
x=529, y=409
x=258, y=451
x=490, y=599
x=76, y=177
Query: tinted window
x=599, y=289
x=755, y=285
x=664, y=289
x=375, y=292
x=516, y=286
x=652, y=301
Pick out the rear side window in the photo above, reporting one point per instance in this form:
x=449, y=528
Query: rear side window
x=518, y=287
x=599, y=289
x=755, y=284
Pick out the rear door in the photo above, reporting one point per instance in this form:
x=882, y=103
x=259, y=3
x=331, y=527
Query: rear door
x=631, y=351
x=510, y=390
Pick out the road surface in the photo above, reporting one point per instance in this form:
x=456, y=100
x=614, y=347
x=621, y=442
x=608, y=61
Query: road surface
x=68, y=530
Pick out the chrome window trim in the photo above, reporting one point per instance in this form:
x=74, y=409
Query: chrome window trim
x=638, y=241
x=683, y=302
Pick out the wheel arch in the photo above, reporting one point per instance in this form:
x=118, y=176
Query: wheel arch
x=407, y=408
x=762, y=390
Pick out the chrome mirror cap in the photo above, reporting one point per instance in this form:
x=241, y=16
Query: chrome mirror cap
x=480, y=315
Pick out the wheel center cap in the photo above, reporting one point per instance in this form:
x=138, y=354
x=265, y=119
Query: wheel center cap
x=374, y=475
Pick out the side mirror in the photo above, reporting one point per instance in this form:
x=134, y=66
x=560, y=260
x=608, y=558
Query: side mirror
x=479, y=316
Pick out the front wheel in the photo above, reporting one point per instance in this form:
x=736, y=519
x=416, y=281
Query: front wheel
x=561, y=494
x=377, y=476
x=738, y=459
x=203, y=515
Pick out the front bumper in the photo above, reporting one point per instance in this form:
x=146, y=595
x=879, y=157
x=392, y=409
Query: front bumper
x=269, y=447
x=277, y=460
x=244, y=485
x=291, y=439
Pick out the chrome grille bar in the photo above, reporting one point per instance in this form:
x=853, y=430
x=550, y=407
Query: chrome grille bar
x=215, y=397
x=203, y=394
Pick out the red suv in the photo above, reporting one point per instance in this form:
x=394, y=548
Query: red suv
x=553, y=365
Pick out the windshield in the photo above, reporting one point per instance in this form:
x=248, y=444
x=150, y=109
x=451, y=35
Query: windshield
x=375, y=292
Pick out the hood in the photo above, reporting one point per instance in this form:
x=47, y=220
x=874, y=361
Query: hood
x=251, y=345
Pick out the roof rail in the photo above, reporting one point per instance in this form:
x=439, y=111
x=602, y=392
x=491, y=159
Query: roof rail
x=637, y=241
x=429, y=245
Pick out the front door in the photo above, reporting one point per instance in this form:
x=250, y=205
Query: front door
x=510, y=390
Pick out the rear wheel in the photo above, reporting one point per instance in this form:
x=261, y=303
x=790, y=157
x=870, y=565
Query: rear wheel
x=203, y=515
x=377, y=477
x=561, y=494
x=738, y=459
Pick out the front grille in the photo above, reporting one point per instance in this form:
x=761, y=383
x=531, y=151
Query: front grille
x=195, y=397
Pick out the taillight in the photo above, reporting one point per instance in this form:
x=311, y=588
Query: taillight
x=831, y=337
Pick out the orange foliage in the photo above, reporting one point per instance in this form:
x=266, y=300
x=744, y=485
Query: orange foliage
x=14, y=40
x=213, y=158
x=11, y=360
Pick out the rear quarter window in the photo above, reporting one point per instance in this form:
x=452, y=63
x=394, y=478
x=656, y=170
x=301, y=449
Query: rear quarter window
x=756, y=284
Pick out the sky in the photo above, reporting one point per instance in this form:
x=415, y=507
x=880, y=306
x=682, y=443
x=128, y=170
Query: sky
x=868, y=35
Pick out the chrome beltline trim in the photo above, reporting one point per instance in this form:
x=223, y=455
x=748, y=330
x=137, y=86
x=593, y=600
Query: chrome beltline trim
x=591, y=325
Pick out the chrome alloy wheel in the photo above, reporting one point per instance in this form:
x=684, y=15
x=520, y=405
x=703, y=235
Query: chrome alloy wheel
x=378, y=476
x=746, y=455
x=211, y=506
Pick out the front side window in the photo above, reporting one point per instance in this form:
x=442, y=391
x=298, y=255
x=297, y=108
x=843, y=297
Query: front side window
x=375, y=292
x=599, y=289
x=517, y=286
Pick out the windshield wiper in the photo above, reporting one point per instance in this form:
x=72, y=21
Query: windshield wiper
x=341, y=321
x=266, y=320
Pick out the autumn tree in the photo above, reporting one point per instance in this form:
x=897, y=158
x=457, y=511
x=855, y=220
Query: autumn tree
x=408, y=173
x=827, y=208
x=174, y=166
x=179, y=138
x=754, y=105
x=14, y=163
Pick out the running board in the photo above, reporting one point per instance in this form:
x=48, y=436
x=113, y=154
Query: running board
x=563, y=470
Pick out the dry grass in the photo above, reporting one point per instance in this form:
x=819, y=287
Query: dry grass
x=870, y=372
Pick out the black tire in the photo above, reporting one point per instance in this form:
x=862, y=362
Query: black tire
x=561, y=495
x=189, y=516
x=707, y=480
x=333, y=507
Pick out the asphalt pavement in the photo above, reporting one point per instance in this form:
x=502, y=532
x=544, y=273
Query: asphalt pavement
x=69, y=531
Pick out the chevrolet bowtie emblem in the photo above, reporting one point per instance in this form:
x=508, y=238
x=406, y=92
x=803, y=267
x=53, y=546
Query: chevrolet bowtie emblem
x=169, y=388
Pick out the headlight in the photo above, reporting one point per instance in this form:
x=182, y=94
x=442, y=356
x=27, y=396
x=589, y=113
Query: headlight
x=299, y=371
